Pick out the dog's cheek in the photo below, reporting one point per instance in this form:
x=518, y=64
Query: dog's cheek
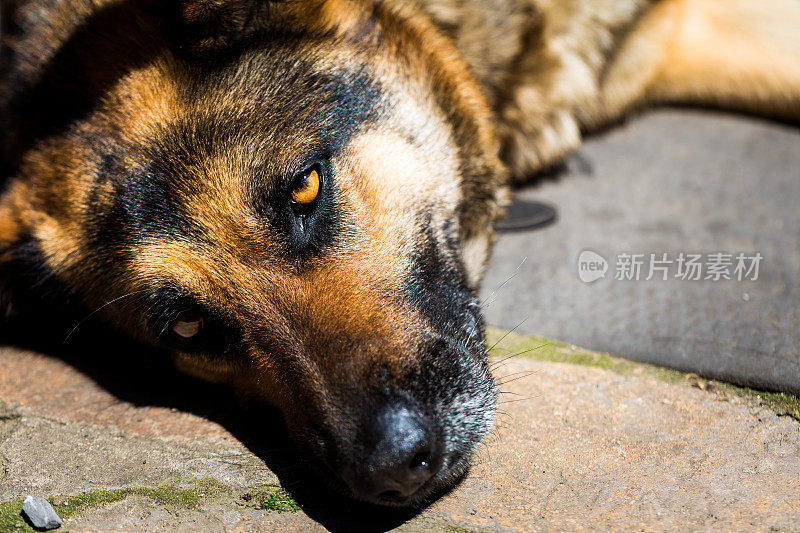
x=475, y=254
x=29, y=293
x=212, y=371
x=33, y=288
x=9, y=238
x=6, y=291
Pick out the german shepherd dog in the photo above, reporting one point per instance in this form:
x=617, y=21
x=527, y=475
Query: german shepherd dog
x=296, y=197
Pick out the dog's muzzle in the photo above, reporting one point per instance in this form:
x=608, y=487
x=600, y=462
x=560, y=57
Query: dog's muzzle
x=400, y=451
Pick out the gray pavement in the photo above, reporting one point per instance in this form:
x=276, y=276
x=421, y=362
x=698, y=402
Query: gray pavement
x=669, y=181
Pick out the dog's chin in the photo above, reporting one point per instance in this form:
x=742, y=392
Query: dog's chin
x=433, y=489
x=464, y=419
x=440, y=484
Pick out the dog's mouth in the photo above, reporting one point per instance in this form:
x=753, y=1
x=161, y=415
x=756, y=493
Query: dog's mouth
x=444, y=477
x=393, y=449
x=414, y=483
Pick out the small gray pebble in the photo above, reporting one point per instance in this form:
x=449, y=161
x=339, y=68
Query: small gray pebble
x=40, y=513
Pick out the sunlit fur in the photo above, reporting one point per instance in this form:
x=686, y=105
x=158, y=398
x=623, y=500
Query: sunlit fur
x=150, y=148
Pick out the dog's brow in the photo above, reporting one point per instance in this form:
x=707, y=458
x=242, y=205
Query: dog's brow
x=165, y=304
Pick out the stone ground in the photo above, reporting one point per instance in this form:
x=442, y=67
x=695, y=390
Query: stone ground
x=584, y=441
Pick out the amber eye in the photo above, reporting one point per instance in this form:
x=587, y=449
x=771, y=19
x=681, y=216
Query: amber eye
x=188, y=326
x=306, y=189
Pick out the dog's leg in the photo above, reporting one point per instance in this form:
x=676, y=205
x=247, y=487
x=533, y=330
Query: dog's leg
x=554, y=80
x=734, y=54
x=609, y=59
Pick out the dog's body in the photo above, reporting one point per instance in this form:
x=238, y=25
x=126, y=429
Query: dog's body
x=297, y=197
x=553, y=69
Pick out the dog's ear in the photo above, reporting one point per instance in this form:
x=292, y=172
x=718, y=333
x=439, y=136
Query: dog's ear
x=206, y=26
x=30, y=293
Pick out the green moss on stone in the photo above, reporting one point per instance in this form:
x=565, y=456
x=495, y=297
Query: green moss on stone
x=506, y=345
x=781, y=403
x=90, y=500
x=170, y=493
x=275, y=498
x=164, y=494
x=10, y=518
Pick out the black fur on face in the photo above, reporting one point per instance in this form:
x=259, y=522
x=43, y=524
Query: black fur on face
x=171, y=197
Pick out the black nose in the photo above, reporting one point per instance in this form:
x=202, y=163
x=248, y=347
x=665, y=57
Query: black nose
x=400, y=453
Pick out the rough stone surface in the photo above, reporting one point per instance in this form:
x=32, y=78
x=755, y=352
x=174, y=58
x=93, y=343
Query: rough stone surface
x=575, y=448
x=40, y=513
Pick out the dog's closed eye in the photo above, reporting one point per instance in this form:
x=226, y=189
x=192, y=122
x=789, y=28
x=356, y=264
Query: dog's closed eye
x=197, y=330
x=188, y=326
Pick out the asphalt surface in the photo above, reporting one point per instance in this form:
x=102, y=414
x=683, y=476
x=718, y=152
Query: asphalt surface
x=669, y=181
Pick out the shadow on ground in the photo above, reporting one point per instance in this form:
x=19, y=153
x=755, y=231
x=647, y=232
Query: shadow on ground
x=146, y=378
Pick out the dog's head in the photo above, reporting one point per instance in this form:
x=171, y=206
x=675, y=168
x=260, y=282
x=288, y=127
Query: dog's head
x=293, y=199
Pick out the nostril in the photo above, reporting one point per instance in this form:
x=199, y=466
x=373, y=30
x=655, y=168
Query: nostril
x=402, y=454
x=423, y=464
x=391, y=496
x=420, y=461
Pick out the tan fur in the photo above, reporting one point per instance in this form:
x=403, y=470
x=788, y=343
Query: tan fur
x=738, y=54
x=151, y=147
x=555, y=69
x=538, y=73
